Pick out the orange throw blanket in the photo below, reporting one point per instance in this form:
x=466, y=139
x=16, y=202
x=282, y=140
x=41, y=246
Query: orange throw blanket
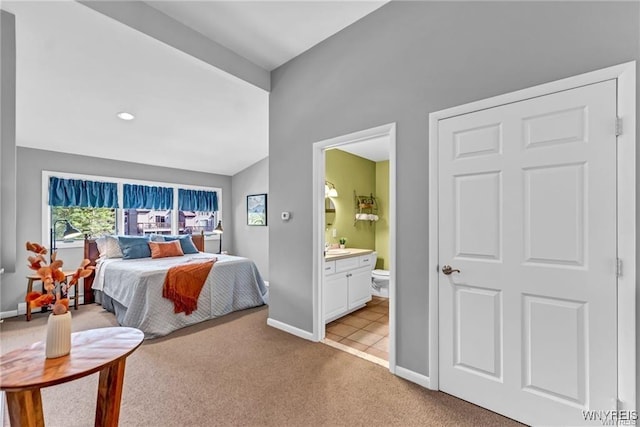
x=183, y=284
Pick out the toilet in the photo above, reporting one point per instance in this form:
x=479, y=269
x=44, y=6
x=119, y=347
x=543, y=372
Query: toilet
x=379, y=280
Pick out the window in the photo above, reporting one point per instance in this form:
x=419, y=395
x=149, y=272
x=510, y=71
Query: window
x=198, y=211
x=147, y=209
x=139, y=222
x=97, y=207
x=89, y=206
x=195, y=222
x=92, y=221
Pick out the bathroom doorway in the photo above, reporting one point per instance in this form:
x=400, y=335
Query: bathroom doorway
x=354, y=243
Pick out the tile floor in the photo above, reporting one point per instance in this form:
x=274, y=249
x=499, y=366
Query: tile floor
x=365, y=330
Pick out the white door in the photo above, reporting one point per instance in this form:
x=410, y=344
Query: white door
x=527, y=213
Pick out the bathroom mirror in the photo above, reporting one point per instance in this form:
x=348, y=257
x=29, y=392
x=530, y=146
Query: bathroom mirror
x=329, y=211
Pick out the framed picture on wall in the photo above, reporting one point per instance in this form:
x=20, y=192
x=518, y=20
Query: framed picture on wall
x=257, y=209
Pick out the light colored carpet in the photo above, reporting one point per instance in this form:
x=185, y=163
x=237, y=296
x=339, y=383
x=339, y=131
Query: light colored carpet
x=236, y=370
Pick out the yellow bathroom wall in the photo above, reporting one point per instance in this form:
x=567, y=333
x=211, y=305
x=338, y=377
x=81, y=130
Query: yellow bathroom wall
x=382, y=225
x=350, y=173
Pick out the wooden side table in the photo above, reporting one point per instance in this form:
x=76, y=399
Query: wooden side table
x=35, y=278
x=24, y=371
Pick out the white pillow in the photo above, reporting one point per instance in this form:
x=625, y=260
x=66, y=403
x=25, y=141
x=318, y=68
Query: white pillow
x=109, y=247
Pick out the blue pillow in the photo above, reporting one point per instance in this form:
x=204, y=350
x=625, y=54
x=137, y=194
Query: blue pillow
x=134, y=247
x=188, y=247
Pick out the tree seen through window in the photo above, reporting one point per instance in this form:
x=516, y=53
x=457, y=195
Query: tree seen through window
x=91, y=221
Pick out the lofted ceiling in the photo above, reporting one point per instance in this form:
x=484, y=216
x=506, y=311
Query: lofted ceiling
x=268, y=33
x=77, y=68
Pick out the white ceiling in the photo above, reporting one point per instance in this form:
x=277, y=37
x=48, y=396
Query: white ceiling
x=374, y=149
x=77, y=68
x=268, y=33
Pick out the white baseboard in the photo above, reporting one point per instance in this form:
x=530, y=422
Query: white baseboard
x=291, y=329
x=21, y=311
x=10, y=313
x=414, y=377
x=16, y=313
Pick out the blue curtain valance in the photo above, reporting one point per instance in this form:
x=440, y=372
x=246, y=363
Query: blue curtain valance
x=84, y=194
x=147, y=197
x=197, y=200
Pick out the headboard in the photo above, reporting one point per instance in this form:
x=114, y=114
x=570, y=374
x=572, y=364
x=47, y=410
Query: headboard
x=91, y=253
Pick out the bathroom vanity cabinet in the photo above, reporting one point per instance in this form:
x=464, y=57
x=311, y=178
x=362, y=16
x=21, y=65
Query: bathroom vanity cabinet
x=347, y=285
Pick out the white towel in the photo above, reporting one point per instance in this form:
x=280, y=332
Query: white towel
x=367, y=217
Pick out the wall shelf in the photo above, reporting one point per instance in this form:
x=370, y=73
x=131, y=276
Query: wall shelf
x=366, y=208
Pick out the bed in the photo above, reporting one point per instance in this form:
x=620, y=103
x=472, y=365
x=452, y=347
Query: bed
x=132, y=289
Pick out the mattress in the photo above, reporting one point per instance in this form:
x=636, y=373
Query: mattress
x=132, y=289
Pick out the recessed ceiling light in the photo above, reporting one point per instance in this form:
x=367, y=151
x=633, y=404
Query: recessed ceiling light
x=125, y=116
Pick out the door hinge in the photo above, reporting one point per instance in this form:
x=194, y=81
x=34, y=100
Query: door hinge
x=618, y=267
x=618, y=126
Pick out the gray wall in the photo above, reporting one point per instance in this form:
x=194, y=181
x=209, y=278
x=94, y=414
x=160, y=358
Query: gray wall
x=7, y=139
x=398, y=64
x=32, y=162
x=251, y=241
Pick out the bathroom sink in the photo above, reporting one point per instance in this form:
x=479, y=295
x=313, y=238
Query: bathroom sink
x=338, y=251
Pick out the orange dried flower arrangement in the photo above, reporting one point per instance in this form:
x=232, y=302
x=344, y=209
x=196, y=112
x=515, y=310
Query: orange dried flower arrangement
x=52, y=278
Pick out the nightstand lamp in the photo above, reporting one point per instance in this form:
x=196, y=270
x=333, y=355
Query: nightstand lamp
x=219, y=230
x=69, y=232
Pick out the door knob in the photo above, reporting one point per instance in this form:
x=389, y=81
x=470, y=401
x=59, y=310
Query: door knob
x=447, y=269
